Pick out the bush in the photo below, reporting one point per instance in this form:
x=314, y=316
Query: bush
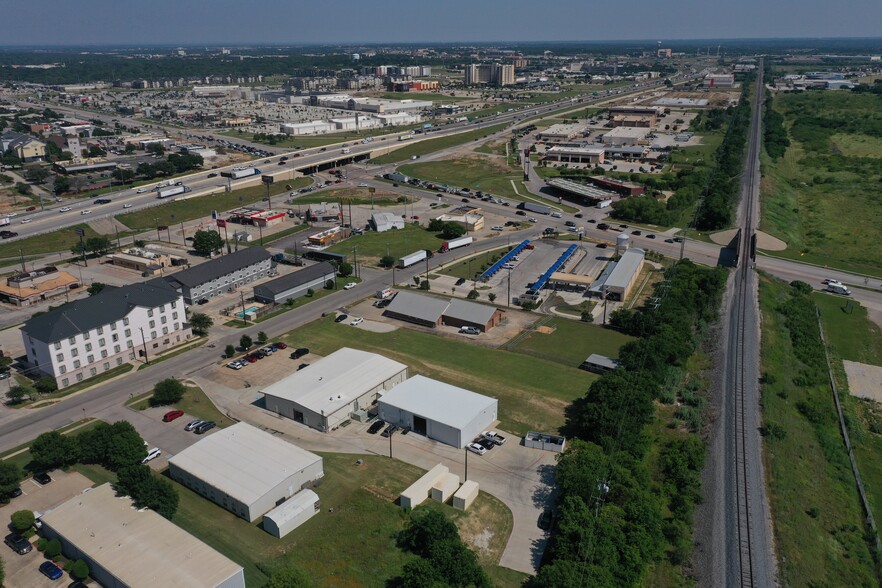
x=22, y=520
x=46, y=385
x=424, y=285
x=79, y=570
x=345, y=269
x=473, y=294
x=53, y=549
x=168, y=391
x=42, y=542
x=310, y=293
x=329, y=285
x=388, y=261
x=53, y=450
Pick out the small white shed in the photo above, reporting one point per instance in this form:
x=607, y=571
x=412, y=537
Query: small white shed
x=292, y=513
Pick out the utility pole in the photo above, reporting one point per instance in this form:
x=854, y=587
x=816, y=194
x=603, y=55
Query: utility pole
x=81, y=233
x=508, y=301
x=144, y=343
x=466, y=477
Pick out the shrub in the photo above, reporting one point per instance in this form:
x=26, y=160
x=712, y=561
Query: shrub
x=168, y=391
x=473, y=294
x=42, y=542
x=46, y=385
x=53, y=549
x=329, y=285
x=22, y=520
x=310, y=293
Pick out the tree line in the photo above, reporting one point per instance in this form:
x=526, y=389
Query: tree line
x=614, y=515
x=775, y=136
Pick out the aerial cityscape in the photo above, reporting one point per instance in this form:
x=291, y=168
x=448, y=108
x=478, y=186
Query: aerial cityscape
x=487, y=296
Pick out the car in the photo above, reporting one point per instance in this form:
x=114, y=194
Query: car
x=259, y=354
x=234, y=365
x=470, y=331
x=591, y=220
x=460, y=281
x=383, y=303
x=637, y=232
x=376, y=426
x=87, y=211
x=603, y=226
x=25, y=221
x=152, y=454
x=193, y=424
x=8, y=234
x=465, y=199
x=475, y=448
x=341, y=318
x=623, y=226
x=389, y=431
x=18, y=544
x=650, y=236
x=570, y=223
x=832, y=282
x=15, y=492
x=103, y=201
x=268, y=350
x=50, y=570
x=578, y=215
x=299, y=352
x=493, y=436
x=301, y=366
x=127, y=205
x=349, y=286
x=520, y=213
x=405, y=430
x=202, y=301
x=212, y=175
x=362, y=185
x=356, y=321
x=497, y=228
x=280, y=345
x=172, y=415
x=545, y=519
x=678, y=239
x=30, y=209
x=64, y=209
x=144, y=190
x=205, y=427
x=250, y=358
x=42, y=478
x=601, y=245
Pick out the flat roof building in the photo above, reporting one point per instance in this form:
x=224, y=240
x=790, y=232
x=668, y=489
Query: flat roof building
x=45, y=283
x=563, y=132
x=599, y=364
x=386, y=221
x=442, y=412
x=583, y=192
x=622, y=279
x=624, y=136
x=327, y=392
x=590, y=155
x=433, y=312
x=222, y=274
x=126, y=546
x=295, y=284
x=245, y=470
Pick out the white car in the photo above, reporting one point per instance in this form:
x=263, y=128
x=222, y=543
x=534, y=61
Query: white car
x=152, y=454
x=25, y=221
x=141, y=191
x=356, y=321
x=832, y=282
x=475, y=448
x=85, y=212
x=64, y=209
x=127, y=205
x=362, y=185
x=235, y=365
x=532, y=220
x=349, y=286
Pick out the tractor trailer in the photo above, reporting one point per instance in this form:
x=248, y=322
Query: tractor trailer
x=415, y=257
x=454, y=243
x=238, y=174
x=174, y=191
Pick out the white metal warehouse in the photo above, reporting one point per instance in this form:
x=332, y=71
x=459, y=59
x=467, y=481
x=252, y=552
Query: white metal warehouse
x=437, y=410
x=327, y=392
x=126, y=546
x=245, y=470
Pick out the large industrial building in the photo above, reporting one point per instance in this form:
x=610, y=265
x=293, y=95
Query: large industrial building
x=433, y=312
x=442, y=412
x=245, y=470
x=563, y=132
x=330, y=390
x=591, y=155
x=619, y=136
x=126, y=546
x=296, y=284
x=222, y=274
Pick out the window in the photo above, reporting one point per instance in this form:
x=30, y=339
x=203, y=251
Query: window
x=76, y=364
x=176, y=326
x=101, y=342
x=103, y=353
x=59, y=357
x=62, y=369
x=86, y=335
x=153, y=334
x=113, y=326
x=72, y=340
x=90, y=358
x=152, y=324
x=88, y=347
x=115, y=338
x=128, y=333
x=93, y=371
x=165, y=330
x=57, y=345
x=126, y=322
x=131, y=356
x=163, y=320
x=100, y=330
x=162, y=308
x=174, y=304
x=65, y=382
x=175, y=315
x=150, y=312
x=129, y=344
x=74, y=352
x=106, y=365
x=119, y=361
x=116, y=348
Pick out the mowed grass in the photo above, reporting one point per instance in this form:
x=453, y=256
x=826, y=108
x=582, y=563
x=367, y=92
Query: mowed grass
x=431, y=145
x=194, y=208
x=60, y=240
x=196, y=403
x=470, y=267
x=818, y=523
x=532, y=391
x=572, y=342
x=310, y=141
x=473, y=173
x=351, y=542
x=398, y=242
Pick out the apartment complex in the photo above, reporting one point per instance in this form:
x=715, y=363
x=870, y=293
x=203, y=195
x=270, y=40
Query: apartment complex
x=222, y=274
x=494, y=74
x=87, y=337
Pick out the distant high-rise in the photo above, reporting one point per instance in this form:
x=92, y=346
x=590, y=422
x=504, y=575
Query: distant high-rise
x=497, y=74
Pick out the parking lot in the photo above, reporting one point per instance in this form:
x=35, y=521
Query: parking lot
x=259, y=374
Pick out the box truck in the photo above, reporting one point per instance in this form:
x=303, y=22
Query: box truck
x=384, y=293
x=454, y=243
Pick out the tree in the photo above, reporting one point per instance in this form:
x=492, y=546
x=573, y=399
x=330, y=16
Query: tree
x=245, y=342
x=22, y=188
x=345, y=269
x=22, y=520
x=79, y=570
x=93, y=443
x=289, y=577
x=61, y=185
x=125, y=447
x=123, y=175
x=10, y=476
x=229, y=351
x=491, y=297
x=159, y=495
x=99, y=245
x=155, y=149
x=131, y=478
x=387, y=261
x=140, y=243
x=96, y=151
x=200, y=323
x=53, y=549
x=95, y=288
x=207, y=242
x=329, y=285
x=453, y=230
x=168, y=391
x=130, y=148
x=37, y=173
x=52, y=450
x=46, y=385
x=473, y=294
x=420, y=573
x=262, y=337
x=424, y=285
x=16, y=394
x=436, y=225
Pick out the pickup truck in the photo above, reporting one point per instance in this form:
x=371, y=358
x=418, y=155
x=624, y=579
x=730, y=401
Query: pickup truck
x=493, y=436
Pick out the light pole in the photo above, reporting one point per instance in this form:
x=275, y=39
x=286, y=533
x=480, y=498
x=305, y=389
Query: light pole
x=466, y=477
x=144, y=343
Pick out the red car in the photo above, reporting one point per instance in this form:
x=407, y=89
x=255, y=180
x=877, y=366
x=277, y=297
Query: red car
x=250, y=358
x=281, y=345
x=172, y=415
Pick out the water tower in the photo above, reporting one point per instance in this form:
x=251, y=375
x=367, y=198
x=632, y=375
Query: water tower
x=623, y=242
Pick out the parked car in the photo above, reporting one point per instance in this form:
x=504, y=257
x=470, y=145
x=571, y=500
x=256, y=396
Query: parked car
x=485, y=443
x=204, y=427
x=470, y=331
x=250, y=358
x=356, y=321
x=340, y=318
x=234, y=365
x=603, y=226
x=50, y=570
x=280, y=345
x=268, y=350
x=546, y=519
x=650, y=236
x=193, y=424
x=301, y=366
x=299, y=352
x=493, y=436
x=18, y=544
x=389, y=431
x=349, y=286
x=42, y=478
x=172, y=415
x=601, y=245
x=376, y=426
x=152, y=454
x=460, y=281
x=475, y=448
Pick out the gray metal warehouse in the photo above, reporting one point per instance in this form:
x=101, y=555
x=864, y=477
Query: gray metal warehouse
x=296, y=284
x=437, y=410
x=245, y=470
x=431, y=311
x=125, y=546
x=330, y=390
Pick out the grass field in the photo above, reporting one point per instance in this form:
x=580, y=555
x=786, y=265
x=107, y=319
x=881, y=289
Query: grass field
x=60, y=240
x=572, y=342
x=398, y=242
x=196, y=403
x=351, y=542
x=818, y=523
x=431, y=145
x=475, y=173
x=193, y=208
x=702, y=154
x=532, y=392
x=356, y=195
x=470, y=267
x=309, y=141
x=822, y=197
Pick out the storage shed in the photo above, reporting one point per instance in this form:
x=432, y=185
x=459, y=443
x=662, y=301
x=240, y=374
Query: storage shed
x=445, y=487
x=437, y=410
x=416, y=493
x=292, y=513
x=466, y=495
x=295, y=284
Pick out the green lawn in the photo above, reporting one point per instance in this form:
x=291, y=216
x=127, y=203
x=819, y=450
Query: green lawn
x=431, y=145
x=398, y=242
x=470, y=268
x=196, y=403
x=351, y=542
x=702, y=154
x=95, y=472
x=193, y=208
x=818, y=523
x=532, y=391
x=60, y=240
x=572, y=342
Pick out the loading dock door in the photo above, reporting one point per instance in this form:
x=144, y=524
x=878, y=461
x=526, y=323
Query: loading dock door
x=419, y=425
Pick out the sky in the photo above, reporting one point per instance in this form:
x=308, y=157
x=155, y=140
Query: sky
x=295, y=22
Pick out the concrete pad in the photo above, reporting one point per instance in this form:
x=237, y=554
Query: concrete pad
x=864, y=380
x=723, y=237
x=763, y=240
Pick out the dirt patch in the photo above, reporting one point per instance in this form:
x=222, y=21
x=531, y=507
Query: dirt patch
x=380, y=493
x=545, y=330
x=864, y=380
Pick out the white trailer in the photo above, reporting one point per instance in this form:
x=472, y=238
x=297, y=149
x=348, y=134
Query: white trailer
x=4, y=221
x=168, y=193
x=245, y=173
x=454, y=243
x=409, y=260
x=603, y=204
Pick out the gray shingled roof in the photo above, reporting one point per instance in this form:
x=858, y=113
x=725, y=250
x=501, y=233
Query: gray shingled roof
x=298, y=278
x=219, y=266
x=111, y=304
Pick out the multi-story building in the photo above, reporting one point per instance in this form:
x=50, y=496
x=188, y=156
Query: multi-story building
x=87, y=337
x=222, y=274
x=497, y=74
x=24, y=146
